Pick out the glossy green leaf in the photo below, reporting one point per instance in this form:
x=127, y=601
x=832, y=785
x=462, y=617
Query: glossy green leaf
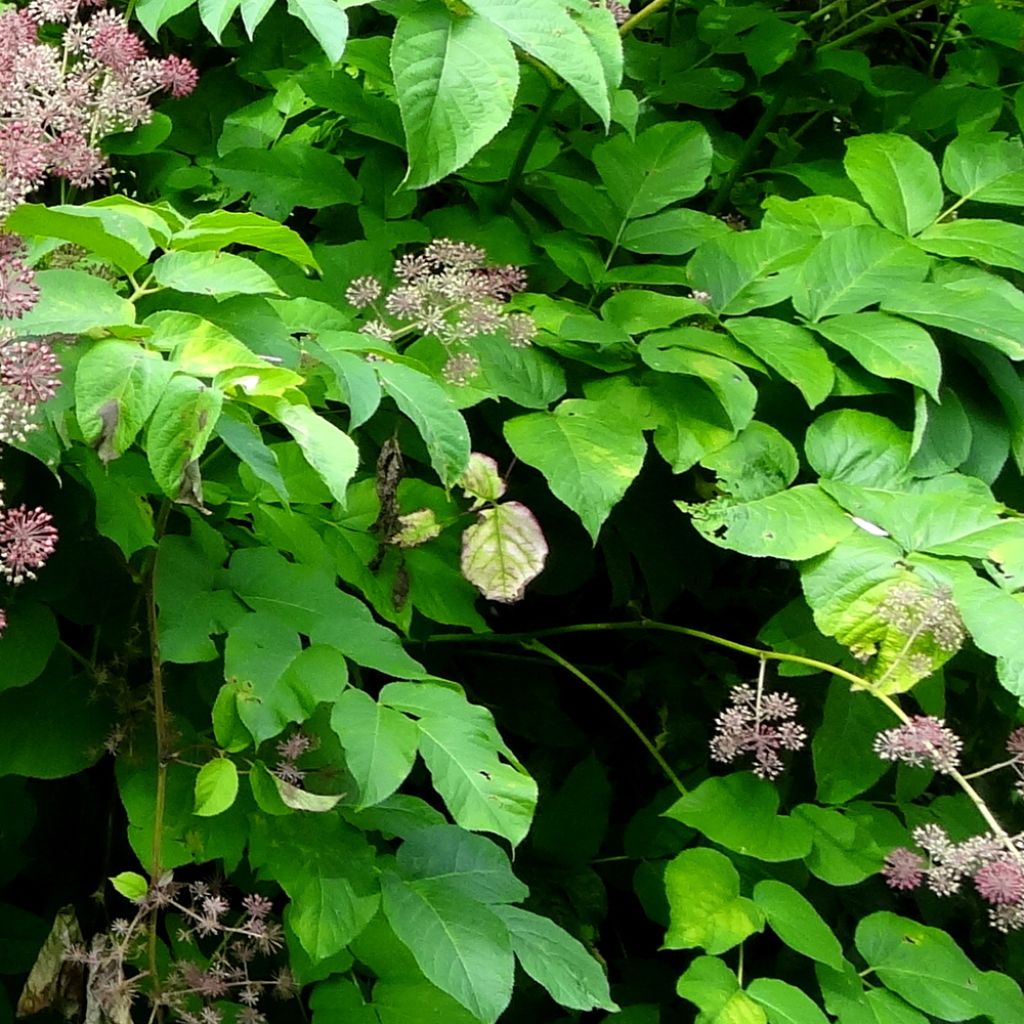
x=544, y=29
x=854, y=268
x=710, y=984
x=740, y=812
x=785, y=1003
x=380, y=744
x=985, y=168
x=130, y=884
x=793, y=918
x=216, y=787
x=237, y=430
x=221, y=228
x=664, y=164
x=557, y=961
x=705, y=906
x=327, y=23
x=672, y=232
x=212, y=273
x=887, y=346
x=74, y=302
x=440, y=424
x=329, y=450
x=215, y=15
x=460, y=746
x=991, y=241
x=898, y=180
x=462, y=946
x=588, y=456
x=456, y=79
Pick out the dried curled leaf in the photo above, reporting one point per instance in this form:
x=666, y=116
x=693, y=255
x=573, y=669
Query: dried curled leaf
x=53, y=982
x=482, y=481
x=503, y=550
x=416, y=528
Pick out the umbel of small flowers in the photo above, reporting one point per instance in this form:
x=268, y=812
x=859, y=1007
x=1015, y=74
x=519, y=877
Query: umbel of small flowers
x=27, y=539
x=242, y=939
x=57, y=101
x=757, y=724
x=448, y=293
x=993, y=862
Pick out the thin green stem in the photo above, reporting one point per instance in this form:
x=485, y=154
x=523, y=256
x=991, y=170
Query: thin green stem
x=940, y=37
x=864, y=30
x=540, y=120
x=765, y=121
x=994, y=768
x=641, y=16
x=536, y=645
x=863, y=12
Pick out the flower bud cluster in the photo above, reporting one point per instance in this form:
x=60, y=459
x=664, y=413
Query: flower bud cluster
x=448, y=293
x=995, y=866
x=923, y=742
x=920, y=613
x=758, y=724
x=58, y=100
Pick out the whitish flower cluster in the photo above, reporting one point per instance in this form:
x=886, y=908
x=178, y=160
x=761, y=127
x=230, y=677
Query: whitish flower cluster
x=58, y=100
x=448, y=293
x=923, y=742
x=918, y=613
x=995, y=866
x=760, y=725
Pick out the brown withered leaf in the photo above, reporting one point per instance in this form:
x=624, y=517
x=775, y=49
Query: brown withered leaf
x=53, y=983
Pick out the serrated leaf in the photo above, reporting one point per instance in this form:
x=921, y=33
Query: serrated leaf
x=898, y=180
x=213, y=273
x=329, y=450
x=74, y=302
x=327, y=23
x=462, y=946
x=503, y=551
x=380, y=744
x=985, y=168
x=556, y=960
x=439, y=423
x=991, y=241
x=587, y=454
x=221, y=228
x=544, y=29
x=456, y=79
x=887, y=346
x=216, y=787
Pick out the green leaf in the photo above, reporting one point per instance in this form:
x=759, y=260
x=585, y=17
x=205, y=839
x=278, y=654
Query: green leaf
x=309, y=601
x=887, y=346
x=460, y=746
x=637, y=310
x=785, y=1003
x=456, y=79
x=732, y=387
x=709, y=984
x=429, y=406
x=928, y=969
x=182, y=423
x=854, y=268
x=844, y=763
x=858, y=447
x=237, y=430
x=990, y=241
x=503, y=551
x=759, y=462
x=797, y=523
x=471, y=865
x=985, y=168
x=792, y=351
x=74, y=302
x=131, y=885
x=289, y=175
x=672, y=232
x=745, y=270
x=793, y=918
x=587, y=454
x=213, y=273
x=28, y=641
x=898, y=180
x=544, y=29
x=740, y=812
x=664, y=164
x=215, y=15
x=824, y=215
x=221, y=228
x=299, y=799
x=461, y=946
x=327, y=869
x=557, y=961
x=705, y=906
x=153, y=14
x=216, y=787
x=380, y=744
x=106, y=232
x=964, y=307
x=330, y=451
x=327, y=24
x=849, y=845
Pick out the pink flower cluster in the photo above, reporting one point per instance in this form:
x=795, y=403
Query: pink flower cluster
x=58, y=101
x=759, y=725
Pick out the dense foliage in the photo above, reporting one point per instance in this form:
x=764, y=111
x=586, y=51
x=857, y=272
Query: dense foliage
x=509, y=511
